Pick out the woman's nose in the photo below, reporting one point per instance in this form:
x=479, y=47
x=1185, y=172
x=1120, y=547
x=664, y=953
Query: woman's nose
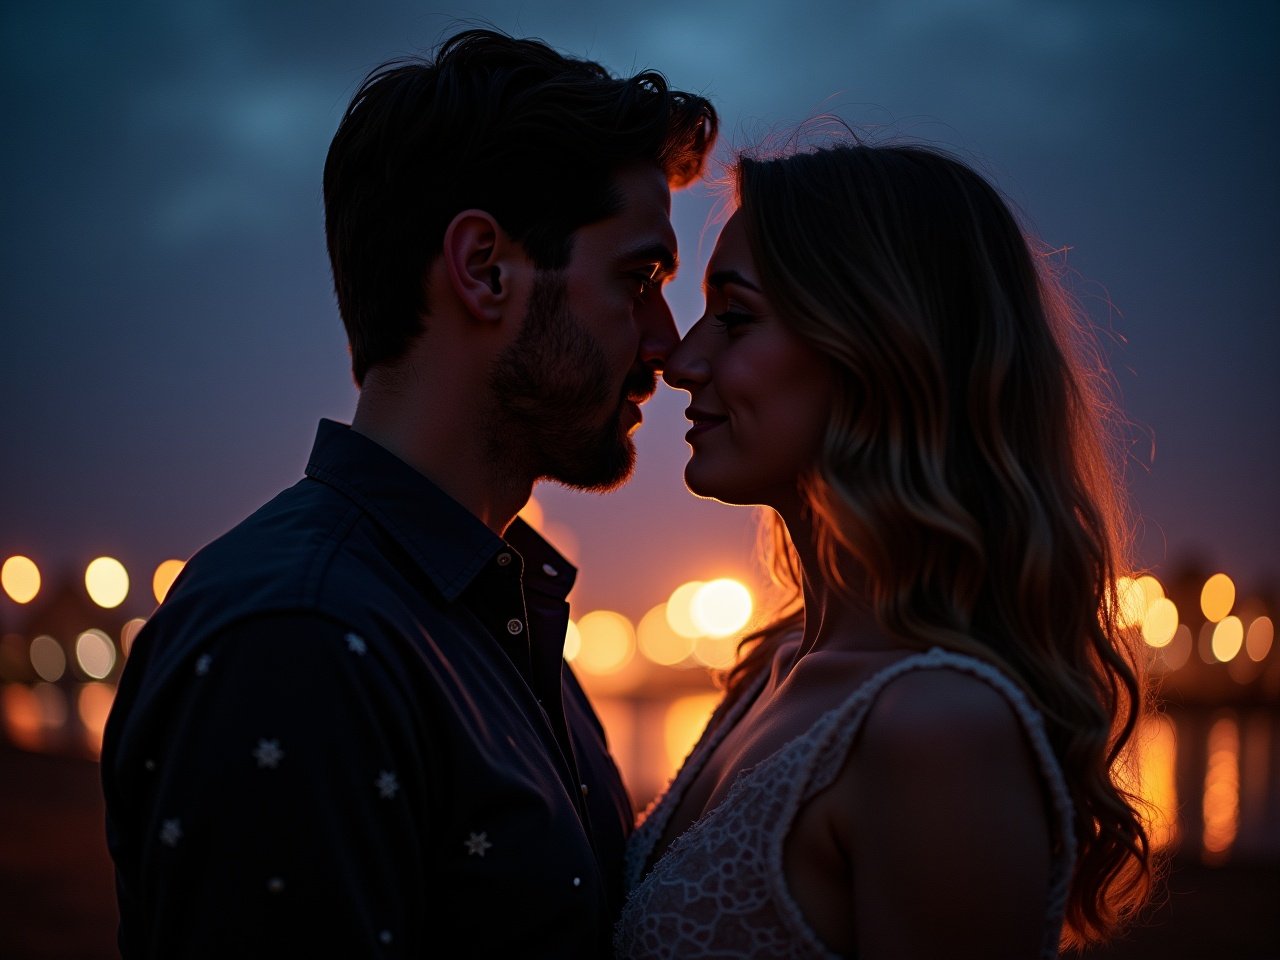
x=687, y=365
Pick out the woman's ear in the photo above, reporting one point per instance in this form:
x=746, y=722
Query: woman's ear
x=478, y=260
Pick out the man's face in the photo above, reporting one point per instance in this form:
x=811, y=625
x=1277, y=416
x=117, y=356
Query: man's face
x=567, y=392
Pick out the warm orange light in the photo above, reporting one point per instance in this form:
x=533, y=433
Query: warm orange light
x=163, y=578
x=608, y=642
x=1152, y=589
x=20, y=578
x=1228, y=637
x=572, y=642
x=1157, y=764
x=22, y=722
x=93, y=705
x=685, y=719
x=658, y=641
x=1218, y=597
x=1257, y=642
x=680, y=609
x=718, y=653
x=107, y=582
x=1131, y=602
x=1160, y=622
x=1221, y=805
x=532, y=513
x=721, y=607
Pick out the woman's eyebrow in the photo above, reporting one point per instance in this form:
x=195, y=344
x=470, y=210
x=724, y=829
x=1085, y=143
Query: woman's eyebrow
x=722, y=277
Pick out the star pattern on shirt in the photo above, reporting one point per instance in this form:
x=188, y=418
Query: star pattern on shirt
x=387, y=784
x=356, y=644
x=268, y=754
x=171, y=832
x=477, y=844
x=202, y=664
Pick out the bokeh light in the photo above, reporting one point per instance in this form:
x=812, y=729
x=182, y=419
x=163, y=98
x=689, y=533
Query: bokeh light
x=1131, y=601
x=717, y=653
x=1228, y=638
x=1157, y=767
x=683, y=724
x=20, y=578
x=1160, y=623
x=1221, y=802
x=1257, y=642
x=1178, y=652
x=658, y=642
x=608, y=642
x=93, y=704
x=107, y=582
x=1152, y=589
x=572, y=642
x=95, y=653
x=721, y=607
x=48, y=658
x=166, y=572
x=680, y=609
x=1218, y=597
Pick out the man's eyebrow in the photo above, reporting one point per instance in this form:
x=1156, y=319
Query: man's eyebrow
x=721, y=277
x=659, y=253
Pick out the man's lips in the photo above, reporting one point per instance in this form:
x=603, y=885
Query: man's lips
x=702, y=422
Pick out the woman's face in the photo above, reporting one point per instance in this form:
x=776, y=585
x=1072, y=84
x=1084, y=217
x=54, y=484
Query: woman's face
x=760, y=396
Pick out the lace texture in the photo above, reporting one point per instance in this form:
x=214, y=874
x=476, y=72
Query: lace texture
x=719, y=890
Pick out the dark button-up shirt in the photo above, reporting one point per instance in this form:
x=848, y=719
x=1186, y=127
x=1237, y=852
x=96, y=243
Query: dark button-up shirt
x=349, y=731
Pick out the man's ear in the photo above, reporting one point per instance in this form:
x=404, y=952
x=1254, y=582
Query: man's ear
x=479, y=260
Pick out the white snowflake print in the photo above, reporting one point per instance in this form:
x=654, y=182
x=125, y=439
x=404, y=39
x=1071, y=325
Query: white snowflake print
x=202, y=664
x=356, y=644
x=171, y=832
x=477, y=844
x=387, y=784
x=268, y=753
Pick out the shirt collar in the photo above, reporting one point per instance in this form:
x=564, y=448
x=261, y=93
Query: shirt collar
x=446, y=540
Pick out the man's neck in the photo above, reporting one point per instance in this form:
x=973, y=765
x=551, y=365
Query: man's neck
x=441, y=441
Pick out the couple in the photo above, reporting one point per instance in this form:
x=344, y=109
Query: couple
x=349, y=730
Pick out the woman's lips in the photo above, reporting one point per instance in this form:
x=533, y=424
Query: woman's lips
x=702, y=422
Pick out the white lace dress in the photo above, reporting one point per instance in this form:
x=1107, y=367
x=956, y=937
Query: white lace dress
x=719, y=890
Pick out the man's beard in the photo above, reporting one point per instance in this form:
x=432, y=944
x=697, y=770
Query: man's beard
x=549, y=388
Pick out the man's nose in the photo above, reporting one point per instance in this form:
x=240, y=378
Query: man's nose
x=658, y=333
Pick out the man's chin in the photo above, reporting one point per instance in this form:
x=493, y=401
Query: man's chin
x=606, y=471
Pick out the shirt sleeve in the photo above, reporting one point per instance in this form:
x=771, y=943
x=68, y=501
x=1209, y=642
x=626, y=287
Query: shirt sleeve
x=290, y=804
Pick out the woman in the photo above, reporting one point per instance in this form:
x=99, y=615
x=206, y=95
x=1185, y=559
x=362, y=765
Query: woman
x=917, y=759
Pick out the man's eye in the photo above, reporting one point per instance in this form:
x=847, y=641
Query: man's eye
x=645, y=280
x=732, y=320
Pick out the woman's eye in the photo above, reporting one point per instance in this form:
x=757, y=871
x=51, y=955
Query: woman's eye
x=732, y=320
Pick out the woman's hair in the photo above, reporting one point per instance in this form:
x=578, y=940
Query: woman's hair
x=967, y=469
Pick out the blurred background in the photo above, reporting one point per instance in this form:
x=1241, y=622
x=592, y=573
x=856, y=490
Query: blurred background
x=170, y=340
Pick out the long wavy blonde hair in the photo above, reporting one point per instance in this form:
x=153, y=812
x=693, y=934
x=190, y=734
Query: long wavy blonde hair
x=968, y=467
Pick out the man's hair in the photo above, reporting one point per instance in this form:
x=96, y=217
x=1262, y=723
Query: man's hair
x=490, y=122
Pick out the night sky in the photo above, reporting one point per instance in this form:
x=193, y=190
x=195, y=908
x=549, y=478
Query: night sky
x=170, y=335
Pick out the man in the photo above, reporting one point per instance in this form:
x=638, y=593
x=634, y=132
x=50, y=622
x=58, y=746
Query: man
x=349, y=730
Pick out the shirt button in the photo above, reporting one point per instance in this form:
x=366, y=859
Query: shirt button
x=514, y=626
x=585, y=789
x=549, y=570
x=504, y=559
x=577, y=881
